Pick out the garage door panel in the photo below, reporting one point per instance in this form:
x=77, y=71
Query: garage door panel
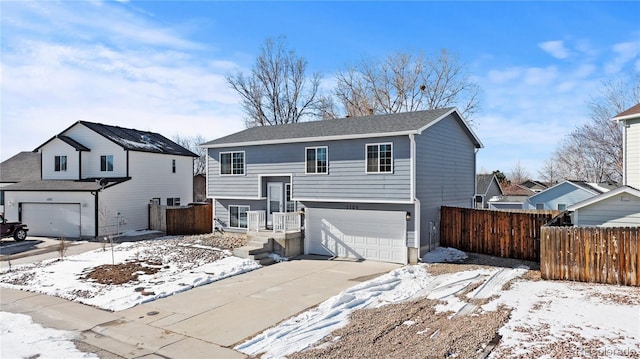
x=377, y=235
x=52, y=219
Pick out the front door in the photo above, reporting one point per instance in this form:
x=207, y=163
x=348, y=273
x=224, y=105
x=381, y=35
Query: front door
x=274, y=200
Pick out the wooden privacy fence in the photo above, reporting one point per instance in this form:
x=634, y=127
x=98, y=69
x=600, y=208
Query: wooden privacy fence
x=608, y=255
x=499, y=233
x=196, y=219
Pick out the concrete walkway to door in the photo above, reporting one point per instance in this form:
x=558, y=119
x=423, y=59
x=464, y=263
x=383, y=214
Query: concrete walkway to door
x=206, y=321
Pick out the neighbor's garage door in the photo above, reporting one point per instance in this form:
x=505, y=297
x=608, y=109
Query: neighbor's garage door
x=52, y=219
x=376, y=235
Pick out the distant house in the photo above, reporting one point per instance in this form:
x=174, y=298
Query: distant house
x=617, y=208
x=99, y=179
x=565, y=194
x=621, y=206
x=369, y=187
x=487, y=188
x=25, y=166
x=513, y=197
x=535, y=186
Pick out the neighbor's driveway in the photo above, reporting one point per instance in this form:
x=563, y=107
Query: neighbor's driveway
x=206, y=321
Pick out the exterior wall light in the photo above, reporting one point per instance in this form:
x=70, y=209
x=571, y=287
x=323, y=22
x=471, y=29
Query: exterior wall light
x=408, y=216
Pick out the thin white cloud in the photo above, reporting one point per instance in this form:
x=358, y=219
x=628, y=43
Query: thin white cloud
x=624, y=52
x=555, y=49
x=155, y=82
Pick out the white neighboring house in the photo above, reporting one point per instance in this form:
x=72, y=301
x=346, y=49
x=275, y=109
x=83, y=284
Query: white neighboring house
x=619, y=207
x=99, y=179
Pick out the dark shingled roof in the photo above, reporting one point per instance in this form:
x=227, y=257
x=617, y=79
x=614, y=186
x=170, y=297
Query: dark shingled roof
x=482, y=182
x=129, y=139
x=136, y=140
x=73, y=143
x=25, y=166
x=366, y=126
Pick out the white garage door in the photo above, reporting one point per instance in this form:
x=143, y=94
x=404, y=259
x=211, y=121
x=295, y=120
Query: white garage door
x=376, y=235
x=52, y=219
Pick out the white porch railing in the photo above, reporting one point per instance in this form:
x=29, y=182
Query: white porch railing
x=256, y=220
x=286, y=221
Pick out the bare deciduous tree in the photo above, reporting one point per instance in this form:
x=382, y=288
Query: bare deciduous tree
x=403, y=82
x=593, y=152
x=277, y=90
x=518, y=174
x=191, y=143
x=551, y=172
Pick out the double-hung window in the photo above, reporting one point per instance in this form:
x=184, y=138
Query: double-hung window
x=317, y=161
x=106, y=163
x=231, y=163
x=60, y=163
x=238, y=216
x=379, y=158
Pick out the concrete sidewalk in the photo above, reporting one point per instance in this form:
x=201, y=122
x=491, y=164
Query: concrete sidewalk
x=204, y=322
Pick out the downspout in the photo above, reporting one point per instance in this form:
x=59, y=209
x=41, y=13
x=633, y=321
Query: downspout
x=475, y=181
x=95, y=214
x=416, y=201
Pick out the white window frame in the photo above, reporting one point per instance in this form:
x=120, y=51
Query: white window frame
x=244, y=163
x=306, y=167
x=238, y=206
x=59, y=163
x=106, y=163
x=175, y=201
x=289, y=205
x=366, y=158
x=561, y=204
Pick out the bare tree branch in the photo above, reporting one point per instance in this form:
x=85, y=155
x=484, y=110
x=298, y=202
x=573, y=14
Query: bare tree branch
x=404, y=82
x=277, y=90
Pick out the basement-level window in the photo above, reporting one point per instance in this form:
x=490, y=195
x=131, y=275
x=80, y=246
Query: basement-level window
x=238, y=216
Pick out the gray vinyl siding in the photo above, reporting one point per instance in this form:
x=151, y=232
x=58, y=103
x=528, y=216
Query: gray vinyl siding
x=611, y=212
x=564, y=193
x=221, y=210
x=346, y=179
x=445, y=175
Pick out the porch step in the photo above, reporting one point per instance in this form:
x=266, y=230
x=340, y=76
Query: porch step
x=257, y=250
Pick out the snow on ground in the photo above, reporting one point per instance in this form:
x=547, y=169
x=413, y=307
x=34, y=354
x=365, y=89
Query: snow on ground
x=63, y=278
x=20, y=337
x=550, y=315
x=444, y=255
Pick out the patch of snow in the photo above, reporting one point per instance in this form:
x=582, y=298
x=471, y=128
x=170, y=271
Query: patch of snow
x=63, y=278
x=301, y=332
x=20, y=337
x=444, y=255
x=278, y=258
x=547, y=312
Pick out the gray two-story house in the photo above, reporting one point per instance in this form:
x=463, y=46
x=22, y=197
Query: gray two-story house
x=369, y=187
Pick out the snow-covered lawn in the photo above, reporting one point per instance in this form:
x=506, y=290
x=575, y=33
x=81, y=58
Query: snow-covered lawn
x=172, y=265
x=576, y=319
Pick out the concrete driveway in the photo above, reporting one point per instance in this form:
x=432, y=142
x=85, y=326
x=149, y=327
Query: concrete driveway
x=207, y=321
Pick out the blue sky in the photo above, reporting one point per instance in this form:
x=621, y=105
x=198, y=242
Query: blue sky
x=160, y=66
